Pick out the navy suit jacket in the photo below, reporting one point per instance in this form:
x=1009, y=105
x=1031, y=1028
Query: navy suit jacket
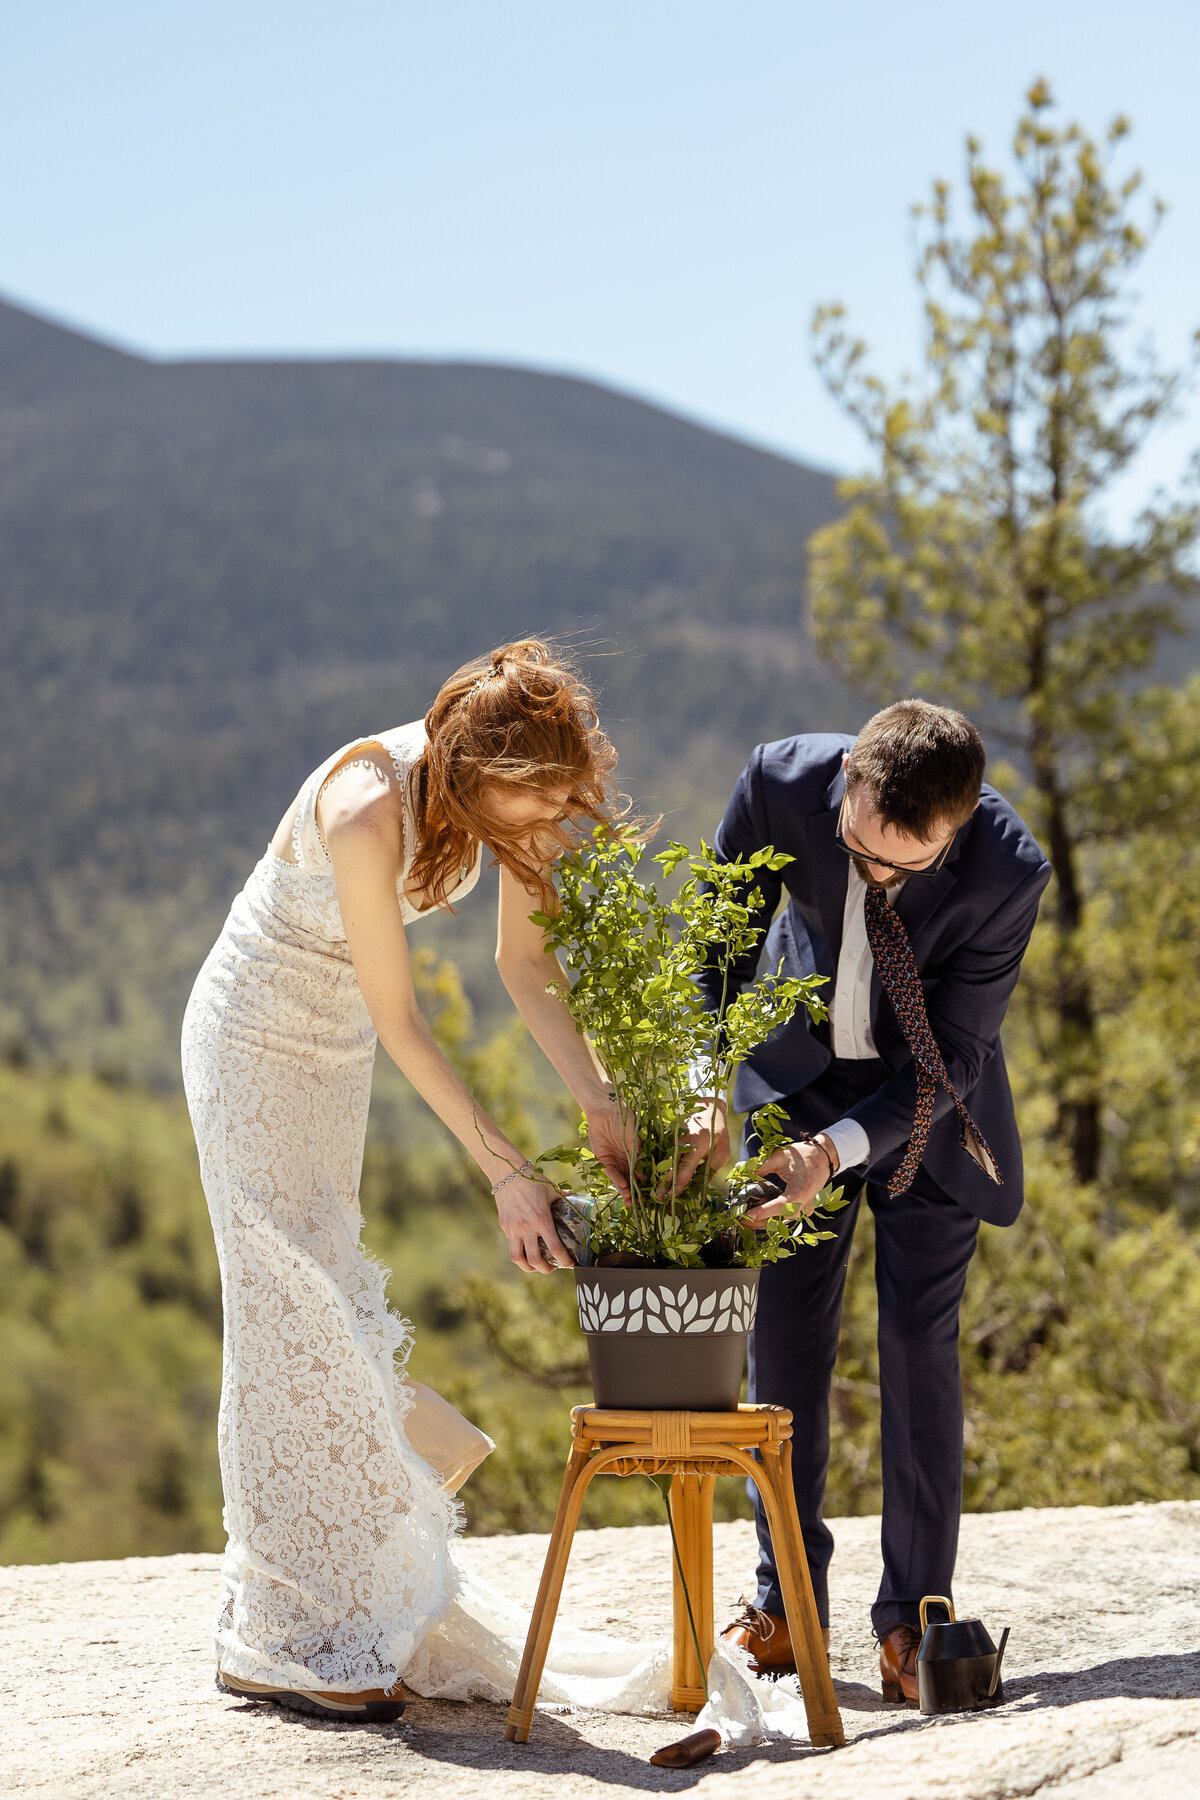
x=968, y=924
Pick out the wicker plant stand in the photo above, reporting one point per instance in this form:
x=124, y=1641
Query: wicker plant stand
x=694, y=1448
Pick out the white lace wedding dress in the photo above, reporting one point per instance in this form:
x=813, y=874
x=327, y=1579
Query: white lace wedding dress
x=339, y=1571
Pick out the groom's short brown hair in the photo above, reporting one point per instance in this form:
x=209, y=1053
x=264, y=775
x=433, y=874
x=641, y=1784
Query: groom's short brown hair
x=922, y=766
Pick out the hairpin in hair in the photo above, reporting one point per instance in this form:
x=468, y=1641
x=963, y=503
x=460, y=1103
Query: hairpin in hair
x=482, y=680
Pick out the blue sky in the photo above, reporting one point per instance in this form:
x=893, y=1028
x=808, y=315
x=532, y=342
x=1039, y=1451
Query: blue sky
x=653, y=193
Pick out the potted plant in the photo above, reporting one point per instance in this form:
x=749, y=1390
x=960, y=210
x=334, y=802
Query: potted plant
x=668, y=1283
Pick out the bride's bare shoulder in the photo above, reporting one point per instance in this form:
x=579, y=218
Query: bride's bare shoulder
x=361, y=797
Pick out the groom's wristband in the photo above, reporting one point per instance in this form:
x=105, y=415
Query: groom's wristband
x=810, y=1137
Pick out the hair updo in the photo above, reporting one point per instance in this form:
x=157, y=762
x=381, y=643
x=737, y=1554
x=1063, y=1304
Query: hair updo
x=521, y=718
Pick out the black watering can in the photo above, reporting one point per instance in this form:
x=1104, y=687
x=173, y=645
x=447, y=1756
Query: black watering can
x=958, y=1666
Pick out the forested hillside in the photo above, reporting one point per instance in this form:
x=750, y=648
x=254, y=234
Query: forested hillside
x=213, y=573
x=1080, y=1379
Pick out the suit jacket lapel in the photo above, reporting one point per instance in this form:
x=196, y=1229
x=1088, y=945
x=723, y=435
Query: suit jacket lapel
x=920, y=898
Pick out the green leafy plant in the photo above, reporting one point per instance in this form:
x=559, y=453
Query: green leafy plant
x=634, y=958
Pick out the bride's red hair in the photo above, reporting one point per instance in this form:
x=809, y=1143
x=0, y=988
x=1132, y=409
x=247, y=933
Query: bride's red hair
x=522, y=719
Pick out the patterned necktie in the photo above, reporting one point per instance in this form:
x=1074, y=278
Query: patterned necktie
x=901, y=983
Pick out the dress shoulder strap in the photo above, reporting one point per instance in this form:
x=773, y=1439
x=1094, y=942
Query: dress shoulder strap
x=404, y=744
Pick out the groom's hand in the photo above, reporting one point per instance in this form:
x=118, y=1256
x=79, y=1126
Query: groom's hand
x=805, y=1168
x=707, y=1129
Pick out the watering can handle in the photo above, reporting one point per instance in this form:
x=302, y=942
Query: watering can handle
x=996, y=1667
x=935, y=1600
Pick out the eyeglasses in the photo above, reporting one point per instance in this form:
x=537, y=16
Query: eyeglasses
x=879, y=862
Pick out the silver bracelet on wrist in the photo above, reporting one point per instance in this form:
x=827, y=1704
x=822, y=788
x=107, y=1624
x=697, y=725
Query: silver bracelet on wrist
x=505, y=1179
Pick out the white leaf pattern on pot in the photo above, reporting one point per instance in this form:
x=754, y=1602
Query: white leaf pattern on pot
x=667, y=1310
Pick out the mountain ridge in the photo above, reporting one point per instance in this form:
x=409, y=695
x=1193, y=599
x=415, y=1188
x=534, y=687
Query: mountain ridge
x=213, y=571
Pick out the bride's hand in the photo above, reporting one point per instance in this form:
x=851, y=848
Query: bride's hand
x=614, y=1143
x=523, y=1208
x=706, y=1134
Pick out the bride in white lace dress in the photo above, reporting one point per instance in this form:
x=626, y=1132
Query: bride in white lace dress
x=339, y=1558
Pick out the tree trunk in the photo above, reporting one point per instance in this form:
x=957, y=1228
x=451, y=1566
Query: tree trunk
x=1078, y=1072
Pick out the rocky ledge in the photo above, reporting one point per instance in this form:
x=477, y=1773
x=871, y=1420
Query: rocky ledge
x=111, y=1681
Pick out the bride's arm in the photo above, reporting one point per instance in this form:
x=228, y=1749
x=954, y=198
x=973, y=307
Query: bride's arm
x=361, y=829
x=530, y=971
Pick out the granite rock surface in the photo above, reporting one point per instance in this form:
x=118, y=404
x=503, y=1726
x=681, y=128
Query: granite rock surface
x=111, y=1681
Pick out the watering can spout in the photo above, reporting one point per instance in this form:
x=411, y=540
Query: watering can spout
x=995, y=1682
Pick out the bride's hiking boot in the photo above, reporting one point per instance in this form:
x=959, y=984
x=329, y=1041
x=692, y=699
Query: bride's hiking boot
x=373, y=1706
x=767, y=1639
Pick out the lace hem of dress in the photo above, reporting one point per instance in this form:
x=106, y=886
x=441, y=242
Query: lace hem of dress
x=413, y=1579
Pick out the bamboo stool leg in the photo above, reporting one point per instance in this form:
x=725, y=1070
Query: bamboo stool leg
x=690, y=1500
x=620, y=1447
x=799, y=1604
x=575, y=1480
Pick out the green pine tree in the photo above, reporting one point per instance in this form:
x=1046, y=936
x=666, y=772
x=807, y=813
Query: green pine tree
x=974, y=562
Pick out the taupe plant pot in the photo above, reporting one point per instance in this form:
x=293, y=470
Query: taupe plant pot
x=667, y=1339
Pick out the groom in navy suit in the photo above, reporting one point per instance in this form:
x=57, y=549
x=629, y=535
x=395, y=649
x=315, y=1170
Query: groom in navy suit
x=913, y=889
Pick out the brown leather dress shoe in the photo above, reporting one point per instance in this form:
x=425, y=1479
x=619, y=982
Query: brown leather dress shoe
x=898, y=1663
x=767, y=1638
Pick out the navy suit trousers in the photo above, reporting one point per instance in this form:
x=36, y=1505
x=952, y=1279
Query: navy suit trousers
x=924, y=1241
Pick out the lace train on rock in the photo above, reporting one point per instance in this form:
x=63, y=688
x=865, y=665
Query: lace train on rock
x=474, y=1653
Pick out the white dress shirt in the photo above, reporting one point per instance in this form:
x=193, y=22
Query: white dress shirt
x=850, y=1011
